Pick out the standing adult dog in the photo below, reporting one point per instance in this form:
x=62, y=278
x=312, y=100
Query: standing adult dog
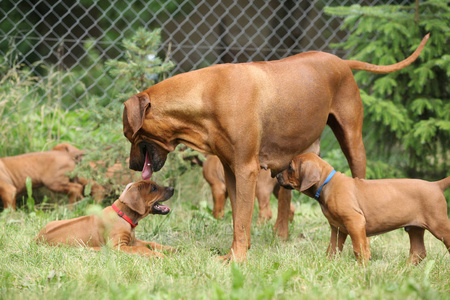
x=359, y=207
x=251, y=115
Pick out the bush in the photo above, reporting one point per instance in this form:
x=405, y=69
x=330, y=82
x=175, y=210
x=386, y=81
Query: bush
x=407, y=113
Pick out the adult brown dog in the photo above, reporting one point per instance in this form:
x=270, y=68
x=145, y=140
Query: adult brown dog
x=47, y=169
x=252, y=116
x=266, y=185
x=115, y=224
x=361, y=208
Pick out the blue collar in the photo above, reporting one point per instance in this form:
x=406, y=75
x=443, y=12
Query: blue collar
x=326, y=181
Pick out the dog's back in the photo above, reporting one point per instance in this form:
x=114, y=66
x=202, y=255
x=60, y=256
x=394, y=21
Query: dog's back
x=81, y=231
x=39, y=166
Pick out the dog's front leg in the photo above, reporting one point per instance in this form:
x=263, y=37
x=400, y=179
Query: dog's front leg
x=154, y=246
x=356, y=227
x=337, y=241
x=122, y=242
x=141, y=250
x=241, y=190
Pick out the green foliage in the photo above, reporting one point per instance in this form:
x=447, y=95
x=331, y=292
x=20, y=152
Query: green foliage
x=30, y=199
x=142, y=66
x=29, y=124
x=407, y=113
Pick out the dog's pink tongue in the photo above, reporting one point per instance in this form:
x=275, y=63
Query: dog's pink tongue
x=147, y=170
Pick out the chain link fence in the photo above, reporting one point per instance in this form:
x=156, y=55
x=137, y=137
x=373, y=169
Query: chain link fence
x=64, y=44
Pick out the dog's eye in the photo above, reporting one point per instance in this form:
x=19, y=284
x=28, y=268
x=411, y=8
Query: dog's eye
x=290, y=167
x=154, y=188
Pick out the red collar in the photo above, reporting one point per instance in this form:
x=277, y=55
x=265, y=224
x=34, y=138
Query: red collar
x=123, y=215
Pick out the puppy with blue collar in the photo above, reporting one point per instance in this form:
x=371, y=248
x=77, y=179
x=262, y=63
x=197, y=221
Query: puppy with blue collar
x=362, y=208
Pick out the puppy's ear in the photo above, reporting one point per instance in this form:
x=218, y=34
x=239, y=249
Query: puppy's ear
x=309, y=175
x=132, y=198
x=134, y=112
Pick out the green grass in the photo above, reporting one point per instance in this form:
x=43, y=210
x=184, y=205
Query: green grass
x=296, y=269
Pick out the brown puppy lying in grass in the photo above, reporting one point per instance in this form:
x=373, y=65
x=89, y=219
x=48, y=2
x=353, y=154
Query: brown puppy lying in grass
x=47, y=169
x=363, y=208
x=115, y=224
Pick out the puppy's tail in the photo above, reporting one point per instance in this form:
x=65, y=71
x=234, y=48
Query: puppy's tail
x=359, y=65
x=444, y=183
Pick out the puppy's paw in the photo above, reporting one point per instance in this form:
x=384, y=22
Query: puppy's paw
x=169, y=249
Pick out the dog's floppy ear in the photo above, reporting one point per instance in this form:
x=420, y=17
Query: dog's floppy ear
x=132, y=198
x=309, y=175
x=134, y=112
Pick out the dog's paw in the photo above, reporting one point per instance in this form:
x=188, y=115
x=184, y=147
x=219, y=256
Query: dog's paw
x=169, y=249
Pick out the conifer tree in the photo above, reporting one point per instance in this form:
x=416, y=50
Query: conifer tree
x=142, y=66
x=407, y=113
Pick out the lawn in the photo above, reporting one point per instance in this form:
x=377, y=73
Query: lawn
x=296, y=269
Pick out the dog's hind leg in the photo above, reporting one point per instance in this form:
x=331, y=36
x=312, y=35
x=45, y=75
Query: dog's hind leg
x=8, y=196
x=417, y=251
x=441, y=230
x=263, y=196
x=219, y=193
x=346, y=121
x=437, y=221
x=285, y=212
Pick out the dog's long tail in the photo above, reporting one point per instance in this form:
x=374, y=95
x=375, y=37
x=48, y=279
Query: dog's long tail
x=359, y=65
x=444, y=183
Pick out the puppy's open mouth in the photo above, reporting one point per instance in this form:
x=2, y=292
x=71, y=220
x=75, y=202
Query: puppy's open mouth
x=160, y=209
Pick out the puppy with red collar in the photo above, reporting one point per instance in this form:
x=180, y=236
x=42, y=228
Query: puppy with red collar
x=362, y=208
x=115, y=224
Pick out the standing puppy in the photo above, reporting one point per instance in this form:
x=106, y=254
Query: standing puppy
x=363, y=208
x=115, y=224
x=47, y=169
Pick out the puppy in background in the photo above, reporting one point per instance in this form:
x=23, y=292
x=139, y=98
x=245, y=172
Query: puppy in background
x=47, y=169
